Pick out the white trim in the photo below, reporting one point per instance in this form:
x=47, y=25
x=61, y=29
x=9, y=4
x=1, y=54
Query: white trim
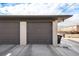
x=54, y=33
x=23, y=35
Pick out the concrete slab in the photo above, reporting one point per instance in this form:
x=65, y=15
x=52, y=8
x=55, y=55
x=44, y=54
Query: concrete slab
x=66, y=48
x=26, y=51
x=42, y=50
x=15, y=51
x=4, y=49
x=37, y=50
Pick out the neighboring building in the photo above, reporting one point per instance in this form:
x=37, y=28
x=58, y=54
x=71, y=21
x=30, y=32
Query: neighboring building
x=70, y=32
x=29, y=29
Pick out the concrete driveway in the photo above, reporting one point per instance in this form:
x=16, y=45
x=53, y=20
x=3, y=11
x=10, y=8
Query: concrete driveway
x=66, y=48
x=29, y=50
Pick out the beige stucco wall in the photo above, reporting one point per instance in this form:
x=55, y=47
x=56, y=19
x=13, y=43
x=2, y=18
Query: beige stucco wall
x=71, y=35
x=74, y=28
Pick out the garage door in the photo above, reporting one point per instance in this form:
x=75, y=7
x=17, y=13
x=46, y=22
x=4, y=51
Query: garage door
x=9, y=32
x=39, y=33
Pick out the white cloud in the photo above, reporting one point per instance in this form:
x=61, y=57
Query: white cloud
x=42, y=1
x=39, y=9
x=32, y=9
x=74, y=20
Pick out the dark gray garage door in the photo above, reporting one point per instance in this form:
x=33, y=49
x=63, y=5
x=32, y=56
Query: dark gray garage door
x=39, y=33
x=9, y=32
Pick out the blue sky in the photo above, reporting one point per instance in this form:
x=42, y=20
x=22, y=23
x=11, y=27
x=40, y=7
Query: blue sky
x=69, y=9
x=39, y=8
x=43, y=9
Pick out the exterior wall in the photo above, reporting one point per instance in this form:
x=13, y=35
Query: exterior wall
x=23, y=31
x=72, y=29
x=71, y=35
x=23, y=34
x=54, y=33
x=23, y=25
x=70, y=32
x=78, y=28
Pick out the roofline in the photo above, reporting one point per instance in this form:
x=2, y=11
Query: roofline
x=37, y=15
x=55, y=17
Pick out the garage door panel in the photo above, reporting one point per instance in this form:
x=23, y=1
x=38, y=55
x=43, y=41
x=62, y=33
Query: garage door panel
x=9, y=32
x=39, y=33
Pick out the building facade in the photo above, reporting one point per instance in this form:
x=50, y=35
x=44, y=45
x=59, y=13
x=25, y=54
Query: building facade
x=70, y=31
x=25, y=30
